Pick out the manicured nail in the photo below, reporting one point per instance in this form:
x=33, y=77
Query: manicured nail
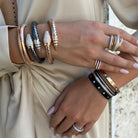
x=51, y=110
x=52, y=128
x=124, y=71
x=135, y=65
x=137, y=41
x=64, y=137
x=57, y=135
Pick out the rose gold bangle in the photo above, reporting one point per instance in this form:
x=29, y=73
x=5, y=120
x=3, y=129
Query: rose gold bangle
x=21, y=43
x=47, y=44
x=54, y=33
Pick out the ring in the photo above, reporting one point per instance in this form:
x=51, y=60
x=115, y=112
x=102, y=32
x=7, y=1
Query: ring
x=120, y=44
x=111, y=43
x=77, y=129
x=112, y=52
x=97, y=64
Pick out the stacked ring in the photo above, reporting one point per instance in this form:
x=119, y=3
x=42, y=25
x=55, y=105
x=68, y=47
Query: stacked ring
x=114, y=45
x=97, y=64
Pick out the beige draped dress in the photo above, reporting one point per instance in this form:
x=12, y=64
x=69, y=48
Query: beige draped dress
x=27, y=92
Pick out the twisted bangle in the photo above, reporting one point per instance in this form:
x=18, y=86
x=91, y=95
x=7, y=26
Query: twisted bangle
x=54, y=33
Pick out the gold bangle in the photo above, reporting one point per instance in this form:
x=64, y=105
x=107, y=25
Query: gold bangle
x=110, y=81
x=23, y=50
x=54, y=33
x=19, y=43
x=47, y=44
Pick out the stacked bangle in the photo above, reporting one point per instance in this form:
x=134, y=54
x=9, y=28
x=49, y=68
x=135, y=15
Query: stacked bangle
x=47, y=44
x=106, y=88
x=36, y=42
x=54, y=33
x=98, y=86
x=108, y=80
x=35, y=36
x=30, y=46
x=23, y=51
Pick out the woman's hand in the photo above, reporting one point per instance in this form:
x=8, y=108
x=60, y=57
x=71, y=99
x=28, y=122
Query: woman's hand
x=82, y=42
x=80, y=103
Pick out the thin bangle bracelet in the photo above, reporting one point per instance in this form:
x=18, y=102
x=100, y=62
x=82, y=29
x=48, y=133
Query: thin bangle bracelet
x=112, y=83
x=105, y=84
x=98, y=86
x=35, y=36
x=102, y=85
x=47, y=44
x=23, y=50
x=30, y=46
x=54, y=33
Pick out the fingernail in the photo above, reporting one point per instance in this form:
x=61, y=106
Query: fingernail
x=52, y=128
x=137, y=41
x=135, y=65
x=57, y=135
x=64, y=137
x=124, y=71
x=51, y=110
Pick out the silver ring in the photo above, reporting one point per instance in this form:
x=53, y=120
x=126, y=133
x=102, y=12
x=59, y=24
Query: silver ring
x=111, y=41
x=77, y=129
x=97, y=64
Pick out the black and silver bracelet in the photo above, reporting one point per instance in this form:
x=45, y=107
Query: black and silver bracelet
x=30, y=46
x=113, y=93
x=98, y=86
x=36, y=40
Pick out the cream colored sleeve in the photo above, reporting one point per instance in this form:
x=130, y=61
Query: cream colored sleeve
x=126, y=11
x=6, y=66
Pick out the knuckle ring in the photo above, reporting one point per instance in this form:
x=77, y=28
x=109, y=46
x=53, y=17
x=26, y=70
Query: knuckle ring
x=77, y=129
x=97, y=64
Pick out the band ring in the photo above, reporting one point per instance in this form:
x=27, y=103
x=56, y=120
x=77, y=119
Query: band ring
x=97, y=64
x=77, y=129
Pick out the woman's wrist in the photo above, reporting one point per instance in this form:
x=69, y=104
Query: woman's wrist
x=15, y=54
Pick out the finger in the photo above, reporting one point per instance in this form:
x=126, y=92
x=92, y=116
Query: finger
x=65, y=125
x=87, y=128
x=107, y=67
x=59, y=101
x=127, y=47
x=55, y=107
x=57, y=119
x=110, y=30
x=117, y=60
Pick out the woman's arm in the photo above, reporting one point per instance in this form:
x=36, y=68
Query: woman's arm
x=82, y=104
x=81, y=43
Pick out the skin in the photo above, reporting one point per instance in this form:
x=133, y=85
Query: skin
x=85, y=42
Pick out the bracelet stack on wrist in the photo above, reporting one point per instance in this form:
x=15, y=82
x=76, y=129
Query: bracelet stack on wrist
x=33, y=43
x=103, y=83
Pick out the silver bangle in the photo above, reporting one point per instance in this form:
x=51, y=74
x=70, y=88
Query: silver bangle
x=35, y=36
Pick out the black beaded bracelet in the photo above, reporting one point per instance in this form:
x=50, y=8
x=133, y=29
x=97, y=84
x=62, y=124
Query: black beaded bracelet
x=98, y=86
